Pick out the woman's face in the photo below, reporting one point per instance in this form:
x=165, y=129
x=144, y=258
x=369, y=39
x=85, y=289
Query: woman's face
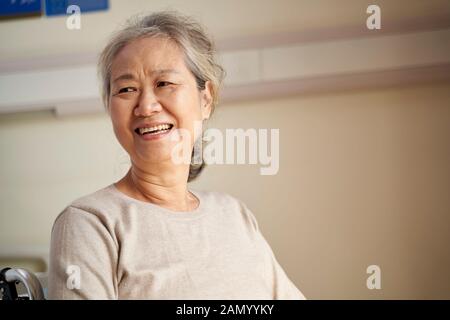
x=151, y=86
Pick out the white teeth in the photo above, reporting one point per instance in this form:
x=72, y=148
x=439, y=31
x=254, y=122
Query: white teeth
x=154, y=128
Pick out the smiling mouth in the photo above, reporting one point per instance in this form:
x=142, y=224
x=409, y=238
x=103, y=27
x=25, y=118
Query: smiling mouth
x=154, y=130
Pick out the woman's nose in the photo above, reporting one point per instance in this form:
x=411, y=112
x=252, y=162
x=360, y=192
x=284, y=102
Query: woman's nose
x=148, y=104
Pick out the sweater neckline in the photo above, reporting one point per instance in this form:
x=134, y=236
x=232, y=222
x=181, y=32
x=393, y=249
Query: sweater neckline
x=197, y=212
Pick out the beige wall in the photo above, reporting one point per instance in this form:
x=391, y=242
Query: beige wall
x=225, y=20
x=364, y=179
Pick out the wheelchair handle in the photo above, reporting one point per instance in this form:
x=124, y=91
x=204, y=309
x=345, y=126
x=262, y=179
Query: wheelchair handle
x=29, y=280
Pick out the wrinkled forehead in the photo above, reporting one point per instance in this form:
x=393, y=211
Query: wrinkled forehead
x=146, y=54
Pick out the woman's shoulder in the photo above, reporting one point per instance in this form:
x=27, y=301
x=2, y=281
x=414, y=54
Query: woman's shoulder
x=92, y=205
x=232, y=206
x=217, y=198
x=94, y=198
x=228, y=203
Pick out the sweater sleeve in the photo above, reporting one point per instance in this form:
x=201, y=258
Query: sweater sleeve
x=83, y=257
x=283, y=287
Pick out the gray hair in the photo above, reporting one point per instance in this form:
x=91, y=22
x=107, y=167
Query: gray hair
x=189, y=35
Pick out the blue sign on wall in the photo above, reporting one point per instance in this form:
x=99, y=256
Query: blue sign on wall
x=20, y=8
x=12, y=8
x=59, y=7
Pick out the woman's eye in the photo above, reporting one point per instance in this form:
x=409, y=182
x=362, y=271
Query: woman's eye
x=127, y=89
x=163, y=83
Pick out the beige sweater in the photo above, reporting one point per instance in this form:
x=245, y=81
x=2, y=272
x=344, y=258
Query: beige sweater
x=107, y=245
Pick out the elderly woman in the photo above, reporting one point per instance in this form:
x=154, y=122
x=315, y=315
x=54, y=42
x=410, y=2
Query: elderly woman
x=148, y=236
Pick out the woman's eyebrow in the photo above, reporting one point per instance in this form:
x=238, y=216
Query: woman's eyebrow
x=129, y=76
x=125, y=76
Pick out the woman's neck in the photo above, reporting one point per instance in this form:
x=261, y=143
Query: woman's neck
x=167, y=190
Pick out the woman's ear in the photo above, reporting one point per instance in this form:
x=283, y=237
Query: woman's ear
x=206, y=100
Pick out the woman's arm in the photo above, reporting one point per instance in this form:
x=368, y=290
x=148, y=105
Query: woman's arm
x=283, y=287
x=83, y=258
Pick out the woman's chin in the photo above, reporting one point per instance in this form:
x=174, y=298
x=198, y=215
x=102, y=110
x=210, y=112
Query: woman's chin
x=154, y=156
